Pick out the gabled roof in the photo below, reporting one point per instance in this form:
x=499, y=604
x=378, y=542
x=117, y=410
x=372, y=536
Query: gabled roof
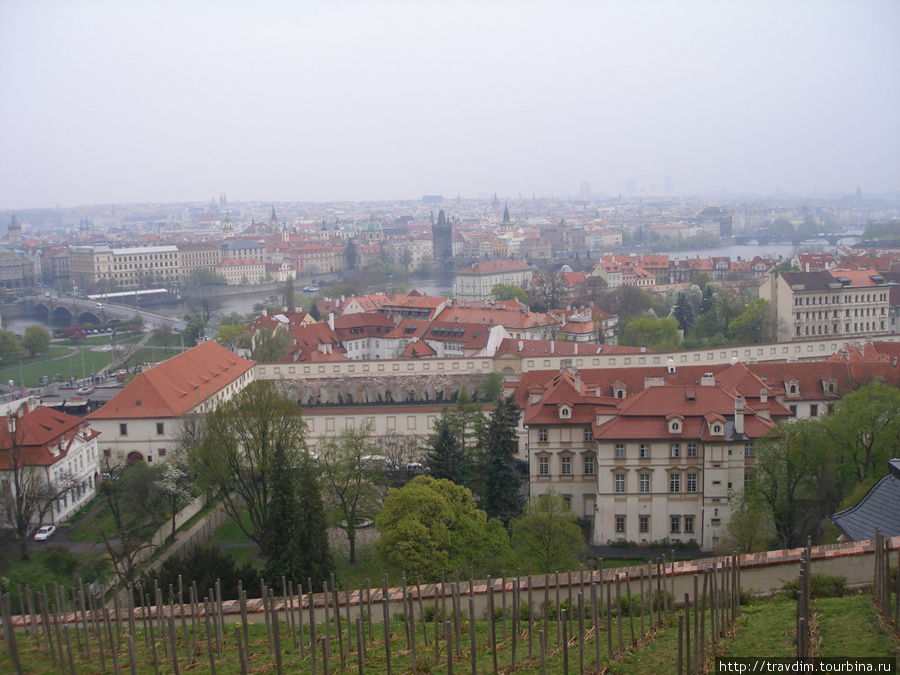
x=418, y=349
x=37, y=431
x=177, y=386
x=880, y=508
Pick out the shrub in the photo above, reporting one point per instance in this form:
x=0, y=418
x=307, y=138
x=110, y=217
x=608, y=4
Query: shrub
x=820, y=586
x=204, y=566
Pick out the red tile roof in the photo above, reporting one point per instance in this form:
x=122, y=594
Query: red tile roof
x=38, y=431
x=176, y=386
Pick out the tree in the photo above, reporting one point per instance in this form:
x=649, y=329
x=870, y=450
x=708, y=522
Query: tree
x=446, y=457
x=502, y=499
x=132, y=497
x=235, y=459
x=431, y=526
x=657, y=334
x=315, y=313
x=297, y=539
x=9, y=346
x=789, y=480
x=36, y=339
x=551, y=288
x=194, y=329
x=232, y=336
x=164, y=334
x=289, y=300
x=352, y=484
x=401, y=450
x=351, y=255
x=717, y=312
x=547, y=535
x=205, y=566
x=174, y=484
x=490, y=388
x=207, y=278
x=863, y=431
x=27, y=494
x=406, y=258
x=271, y=346
x=747, y=532
x=755, y=325
x=503, y=292
x=683, y=313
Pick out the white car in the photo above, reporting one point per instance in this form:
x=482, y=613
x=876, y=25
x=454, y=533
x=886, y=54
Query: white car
x=45, y=533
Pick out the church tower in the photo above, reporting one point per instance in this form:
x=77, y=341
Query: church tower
x=442, y=240
x=14, y=235
x=227, y=227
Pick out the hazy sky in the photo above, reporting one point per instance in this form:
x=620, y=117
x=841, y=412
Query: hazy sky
x=155, y=101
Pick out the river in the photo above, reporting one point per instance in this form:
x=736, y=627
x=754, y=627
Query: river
x=441, y=283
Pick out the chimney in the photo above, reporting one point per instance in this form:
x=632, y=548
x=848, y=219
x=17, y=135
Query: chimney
x=552, y=346
x=331, y=320
x=739, y=415
x=521, y=345
x=577, y=380
x=763, y=395
x=708, y=380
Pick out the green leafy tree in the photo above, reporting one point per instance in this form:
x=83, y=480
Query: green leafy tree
x=431, y=526
x=547, y=536
x=502, y=292
x=236, y=457
x=756, y=324
x=490, y=389
x=790, y=479
x=500, y=442
x=271, y=346
x=195, y=328
x=446, y=457
x=406, y=258
x=232, y=336
x=658, y=334
x=352, y=484
x=9, y=346
x=863, y=432
x=721, y=309
x=207, y=278
x=36, y=340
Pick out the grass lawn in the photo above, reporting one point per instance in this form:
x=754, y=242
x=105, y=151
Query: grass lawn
x=44, y=567
x=847, y=627
x=765, y=628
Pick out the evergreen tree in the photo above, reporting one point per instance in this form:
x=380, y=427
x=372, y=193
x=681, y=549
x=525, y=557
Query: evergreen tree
x=352, y=255
x=446, y=456
x=297, y=540
x=315, y=313
x=502, y=480
x=289, y=294
x=683, y=313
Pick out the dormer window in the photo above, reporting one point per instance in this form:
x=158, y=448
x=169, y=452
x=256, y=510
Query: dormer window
x=565, y=412
x=717, y=429
x=675, y=424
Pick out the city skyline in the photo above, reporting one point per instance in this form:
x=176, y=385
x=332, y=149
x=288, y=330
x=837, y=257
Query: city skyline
x=161, y=103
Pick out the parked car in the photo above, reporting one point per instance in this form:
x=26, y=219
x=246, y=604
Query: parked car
x=45, y=533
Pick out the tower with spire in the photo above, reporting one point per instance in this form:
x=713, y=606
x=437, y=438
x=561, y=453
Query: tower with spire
x=442, y=240
x=14, y=234
x=506, y=225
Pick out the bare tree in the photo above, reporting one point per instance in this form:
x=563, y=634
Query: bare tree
x=27, y=492
x=164, y=334
x=132, y=497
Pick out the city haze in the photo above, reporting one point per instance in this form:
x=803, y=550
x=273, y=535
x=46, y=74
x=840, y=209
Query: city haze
x=109, y=102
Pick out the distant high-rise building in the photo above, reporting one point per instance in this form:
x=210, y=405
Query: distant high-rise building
x=584, y=192
x=442, y=240
x=669, y=184
x=630, y=186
